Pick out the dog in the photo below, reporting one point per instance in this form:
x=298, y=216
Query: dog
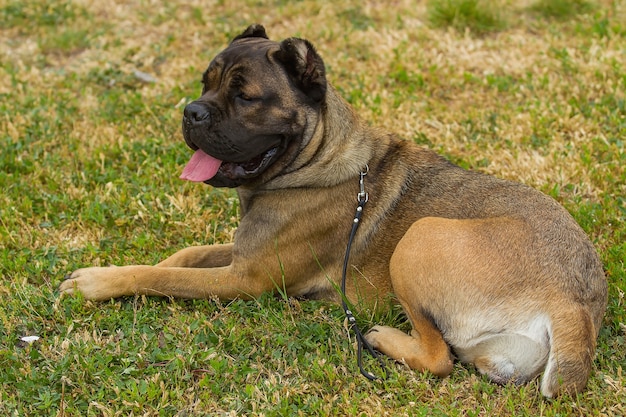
x=488, y=271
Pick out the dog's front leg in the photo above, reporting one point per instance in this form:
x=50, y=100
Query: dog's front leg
x=226, y=283
x=209, y=256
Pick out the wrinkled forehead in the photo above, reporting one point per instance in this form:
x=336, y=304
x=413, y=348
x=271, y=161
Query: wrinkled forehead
x=250, y=52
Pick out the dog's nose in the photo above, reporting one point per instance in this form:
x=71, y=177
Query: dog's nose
x=196, y=112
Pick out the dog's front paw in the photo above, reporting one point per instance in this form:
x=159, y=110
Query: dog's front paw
x=95, y=283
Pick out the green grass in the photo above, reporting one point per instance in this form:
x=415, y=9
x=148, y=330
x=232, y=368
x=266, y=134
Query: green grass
x=561, y=9
x=89, y=169
x=477, y=16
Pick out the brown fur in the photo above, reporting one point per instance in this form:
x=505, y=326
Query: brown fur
x=493, y=269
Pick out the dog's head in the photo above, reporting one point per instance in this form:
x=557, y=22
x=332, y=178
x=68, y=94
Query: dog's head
x=258, y=106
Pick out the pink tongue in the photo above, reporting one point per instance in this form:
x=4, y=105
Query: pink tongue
x=201, y=167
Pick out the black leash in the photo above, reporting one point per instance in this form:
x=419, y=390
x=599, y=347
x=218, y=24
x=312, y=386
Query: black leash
x=362, y=198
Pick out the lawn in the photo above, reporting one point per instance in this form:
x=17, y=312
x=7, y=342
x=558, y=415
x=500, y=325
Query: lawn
x=91, y=96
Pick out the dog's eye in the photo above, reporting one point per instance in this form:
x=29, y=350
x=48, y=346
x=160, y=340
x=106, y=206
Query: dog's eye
x=244, y=97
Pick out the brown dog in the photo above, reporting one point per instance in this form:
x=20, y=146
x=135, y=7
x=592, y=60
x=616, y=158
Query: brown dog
x=494, y=270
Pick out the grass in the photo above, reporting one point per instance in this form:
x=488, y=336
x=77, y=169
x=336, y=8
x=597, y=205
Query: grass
x=477, y=16
x=91, y=152
x=561, y=9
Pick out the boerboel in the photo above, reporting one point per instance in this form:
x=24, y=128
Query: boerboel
x=490, y=271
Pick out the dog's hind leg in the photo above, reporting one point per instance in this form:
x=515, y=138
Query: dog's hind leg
x=573, y=343
x=507, y=358
x=565, y=359
x=423, y=349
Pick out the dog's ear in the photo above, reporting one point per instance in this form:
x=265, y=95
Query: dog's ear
x=253, y=31
x=304, y=66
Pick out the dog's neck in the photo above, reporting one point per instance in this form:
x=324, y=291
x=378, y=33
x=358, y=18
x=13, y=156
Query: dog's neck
x=338, y=144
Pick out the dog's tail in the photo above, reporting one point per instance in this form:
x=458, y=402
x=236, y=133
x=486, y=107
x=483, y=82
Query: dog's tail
x=572, y=347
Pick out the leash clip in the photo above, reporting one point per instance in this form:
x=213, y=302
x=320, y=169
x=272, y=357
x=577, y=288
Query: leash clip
x=362, y=196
